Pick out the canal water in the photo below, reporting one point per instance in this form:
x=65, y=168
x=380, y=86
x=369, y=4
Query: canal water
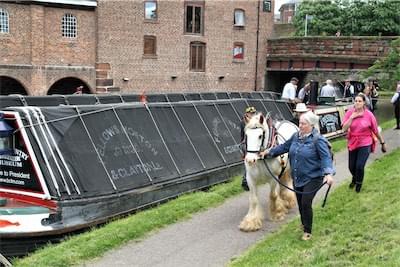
x=385, y=110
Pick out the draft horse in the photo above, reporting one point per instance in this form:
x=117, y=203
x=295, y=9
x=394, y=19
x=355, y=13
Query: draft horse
x=261, y=135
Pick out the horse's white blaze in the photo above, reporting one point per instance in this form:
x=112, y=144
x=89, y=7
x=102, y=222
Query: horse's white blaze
x=254, y=139
x=256, y=173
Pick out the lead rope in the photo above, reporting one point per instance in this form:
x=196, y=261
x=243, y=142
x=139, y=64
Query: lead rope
x=294, y=190
x=273, y=142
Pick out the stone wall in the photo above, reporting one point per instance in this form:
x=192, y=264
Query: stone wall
x=363, y=48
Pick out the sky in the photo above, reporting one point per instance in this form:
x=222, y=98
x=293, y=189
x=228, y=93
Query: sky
x=278, y=4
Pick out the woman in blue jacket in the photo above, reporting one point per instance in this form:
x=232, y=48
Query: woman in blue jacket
x=311, y=165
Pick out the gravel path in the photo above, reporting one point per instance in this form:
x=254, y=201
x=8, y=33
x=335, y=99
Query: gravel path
x=212, y=238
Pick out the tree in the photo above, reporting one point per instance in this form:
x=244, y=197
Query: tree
x=351, y=17
x=325, y=18
x=387, y=69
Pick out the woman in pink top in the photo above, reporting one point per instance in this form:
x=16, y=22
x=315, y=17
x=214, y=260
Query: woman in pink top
x=361, y=127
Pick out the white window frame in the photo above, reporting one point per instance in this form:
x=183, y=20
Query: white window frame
x=238, y=49
x=4, y=21
x=239, y=18
x=69, y=26
x=155, y=11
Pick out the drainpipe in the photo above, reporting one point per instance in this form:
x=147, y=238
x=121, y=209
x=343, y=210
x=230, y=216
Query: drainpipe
x=257, y=34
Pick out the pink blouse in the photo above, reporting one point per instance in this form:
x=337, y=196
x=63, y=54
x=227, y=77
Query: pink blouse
x=362, y=131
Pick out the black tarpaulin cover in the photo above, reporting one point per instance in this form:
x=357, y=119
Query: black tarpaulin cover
x=105, y=149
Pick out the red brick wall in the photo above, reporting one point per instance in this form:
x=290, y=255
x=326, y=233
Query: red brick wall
x=16, y=46
x=35, y=53
x=356, y=47
x=121, y=29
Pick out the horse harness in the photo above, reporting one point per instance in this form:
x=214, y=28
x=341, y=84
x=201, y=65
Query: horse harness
x=272, y=142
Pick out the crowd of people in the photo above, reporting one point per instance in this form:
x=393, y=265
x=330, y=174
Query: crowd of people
x=309, y=155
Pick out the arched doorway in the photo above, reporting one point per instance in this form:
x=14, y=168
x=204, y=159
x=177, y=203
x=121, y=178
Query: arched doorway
x=68, y=86
x=9, y=86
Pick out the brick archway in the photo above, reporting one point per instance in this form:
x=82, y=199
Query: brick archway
x=67, y=86
x=10, y=85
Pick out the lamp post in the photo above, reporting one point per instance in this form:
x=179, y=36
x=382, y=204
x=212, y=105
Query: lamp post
x=308, y=17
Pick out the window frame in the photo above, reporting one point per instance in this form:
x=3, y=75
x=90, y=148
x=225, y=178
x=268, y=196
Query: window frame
x=5, y=17
x=244, y=18
x=238, y=44
x=156, y=10
x=193, y=45
x=65, y=27
x=194, y=5
x=150, y=37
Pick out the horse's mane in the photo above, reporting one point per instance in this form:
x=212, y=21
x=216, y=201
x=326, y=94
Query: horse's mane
x=255, y=122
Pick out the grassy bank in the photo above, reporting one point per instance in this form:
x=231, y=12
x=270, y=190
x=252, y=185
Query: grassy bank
x=94, y=243
x=353, y=230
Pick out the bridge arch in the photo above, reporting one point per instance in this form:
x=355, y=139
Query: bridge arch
x=67, y=86
x=9, y=85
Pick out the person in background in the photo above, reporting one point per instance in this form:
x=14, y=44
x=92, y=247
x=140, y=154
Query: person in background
x=249, y=112
x=368, y=98
x=311, y=165
x=328, y=89
x=348, y=90
x=289, y=91
x=374, y=94
x=396, y=104
x=304, y=93
x=79, y=90
x=362, y=132
x=301, y=108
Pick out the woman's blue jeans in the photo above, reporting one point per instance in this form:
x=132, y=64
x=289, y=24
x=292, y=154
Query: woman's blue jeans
x=357, y=160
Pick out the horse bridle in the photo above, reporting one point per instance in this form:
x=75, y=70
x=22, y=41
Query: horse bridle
x=271, y=139
x=262, y=141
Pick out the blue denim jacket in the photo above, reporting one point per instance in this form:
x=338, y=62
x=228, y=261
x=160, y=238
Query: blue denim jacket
x=309, y=159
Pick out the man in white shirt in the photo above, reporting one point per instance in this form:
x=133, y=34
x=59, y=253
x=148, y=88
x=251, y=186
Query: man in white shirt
x=396, y=104
x=289, y=91
x=328, y=89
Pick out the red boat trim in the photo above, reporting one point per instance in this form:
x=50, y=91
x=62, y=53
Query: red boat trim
x=5, y=223
x=51, y=204
x=32, y=157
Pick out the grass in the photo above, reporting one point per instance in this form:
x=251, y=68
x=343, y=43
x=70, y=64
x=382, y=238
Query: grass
x=353, y=230
x=94, y=243
x=77, y=249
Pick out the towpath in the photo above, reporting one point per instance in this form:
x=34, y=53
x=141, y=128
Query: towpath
x=212, y=238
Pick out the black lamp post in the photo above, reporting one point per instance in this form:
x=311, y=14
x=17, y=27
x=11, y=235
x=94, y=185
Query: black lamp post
x=6, y=136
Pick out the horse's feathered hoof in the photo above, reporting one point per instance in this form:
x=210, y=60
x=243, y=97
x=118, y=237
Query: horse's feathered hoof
x=278, y=217
x=250, y=225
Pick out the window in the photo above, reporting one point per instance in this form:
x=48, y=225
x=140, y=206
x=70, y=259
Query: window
x=149, y=48
x=150, y=10
x=194, y=18
x=267, y=5
x=69, y=26
x=238, y=51
x=197, y=56
x=238, y=18
x=4, y=23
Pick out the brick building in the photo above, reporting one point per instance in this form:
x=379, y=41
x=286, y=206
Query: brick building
x=287, y=11
x=54, y=46
x=38, y=56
